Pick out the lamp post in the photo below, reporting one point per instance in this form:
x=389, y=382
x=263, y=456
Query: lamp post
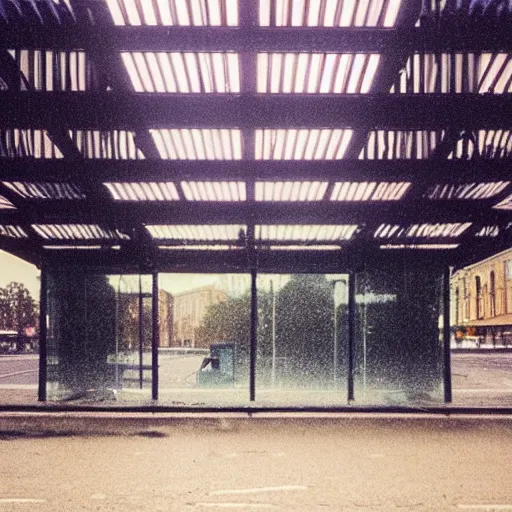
x=335, y=339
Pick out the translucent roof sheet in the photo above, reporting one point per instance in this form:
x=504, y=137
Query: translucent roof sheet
x=5, y=204
x=506, y=204
x=420, y=246
x=114, y=144
x=143, y=191
x=305, y=233
x=326, y=73
x=183, y=72
x=198, y=144
x=290, y=190
x=12, y=231
x=48, y=70
x=200, y=233
x=301, y=144
x=369, y=191
x=214, y=190
x=389, y=145
x=466, y=190
x=456, y=73
x=484, y=143
x=77, y=232
x=328, y=13
x=44, y=190
x=174, y=12
x=20, y=143
x=448, y=230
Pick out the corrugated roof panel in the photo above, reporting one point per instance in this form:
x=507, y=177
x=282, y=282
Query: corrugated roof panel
x=389, y=144
x=506, y=204
x=325, y=73
x=456, y=73
x=420, y=246
x=196, y=13
x=114, y=144
x=80, y=247
x=214, y=190
x=143, y=191
x=21, y=143
x=447, y=230
x=369, y=191
x=466, y=190
x=199, y=233
x=290, y=190
x=48, y=70
x=183, y=72
x=77, y=232
x=45, y=190
x=198, y=144
x=196, y=247
x=12, y=231
x=491, y=231
x=324, y=247
x=328, y=13
x=305, y=233
x=301, y=144
x=484, y=144
x=5, y=204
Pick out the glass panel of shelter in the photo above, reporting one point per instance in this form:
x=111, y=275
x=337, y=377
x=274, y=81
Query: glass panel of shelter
x=99, y=336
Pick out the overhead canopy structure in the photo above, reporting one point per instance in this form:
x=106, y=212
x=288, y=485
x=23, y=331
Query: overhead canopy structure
x=148, y=134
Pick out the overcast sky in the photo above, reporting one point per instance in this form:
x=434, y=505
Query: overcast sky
x=15, y=269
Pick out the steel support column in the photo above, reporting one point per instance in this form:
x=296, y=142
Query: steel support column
x=447, y=370
x=351, y=334
x=155, y=310
x=43, y=351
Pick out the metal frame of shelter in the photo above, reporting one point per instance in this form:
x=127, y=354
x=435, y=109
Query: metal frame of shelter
x=230, y=135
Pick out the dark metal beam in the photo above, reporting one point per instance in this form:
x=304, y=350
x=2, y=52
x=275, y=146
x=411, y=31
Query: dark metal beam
x=125, y=214
x=260, y=39
x=419, y=172
x=116, y=110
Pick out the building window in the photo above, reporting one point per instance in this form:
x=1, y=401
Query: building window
x=478, y=288
x=493, y=294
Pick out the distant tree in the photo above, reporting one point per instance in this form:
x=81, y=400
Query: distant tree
x=17, y=310
x=303, y=328
x=83, y=328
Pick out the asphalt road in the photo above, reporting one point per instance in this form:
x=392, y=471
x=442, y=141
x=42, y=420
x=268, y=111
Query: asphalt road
x=477, y=379
x=369, y=465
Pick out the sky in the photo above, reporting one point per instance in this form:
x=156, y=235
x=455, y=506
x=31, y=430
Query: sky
x=15, y=269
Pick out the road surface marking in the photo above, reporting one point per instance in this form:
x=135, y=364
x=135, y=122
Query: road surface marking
x=259, y=489
x=20, y=500
x=235, y=505
x=5, y=375
x=485, y=507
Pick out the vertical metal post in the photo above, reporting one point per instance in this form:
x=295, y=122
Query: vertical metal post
x=43, y=331
x=141, y=334
x=254, y=325
x=351, y=334
x=447, y=366
x=155, y=309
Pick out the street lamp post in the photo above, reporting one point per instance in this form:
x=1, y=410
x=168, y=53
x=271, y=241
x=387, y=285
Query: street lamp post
x=335, y=339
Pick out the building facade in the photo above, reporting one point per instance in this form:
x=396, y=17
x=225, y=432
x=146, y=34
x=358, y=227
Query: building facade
x=189, y=310
x=482, y=300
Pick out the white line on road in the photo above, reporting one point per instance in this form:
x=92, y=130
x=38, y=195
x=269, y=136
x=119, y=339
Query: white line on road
x=20, y=500
x=259, y=489
x=489, y=508
x=235, y=505
x=5, y=375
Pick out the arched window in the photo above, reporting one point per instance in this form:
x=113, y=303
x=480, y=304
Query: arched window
x=478, y=289
x=493, y=293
